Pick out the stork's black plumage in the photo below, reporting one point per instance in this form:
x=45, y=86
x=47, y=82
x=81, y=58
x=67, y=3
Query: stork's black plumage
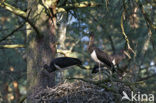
x=95, y=69
x=61, y=63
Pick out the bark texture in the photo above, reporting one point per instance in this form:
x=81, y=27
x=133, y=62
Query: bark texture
x=40, y=48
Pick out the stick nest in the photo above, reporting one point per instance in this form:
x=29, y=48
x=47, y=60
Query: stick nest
x=75, y=92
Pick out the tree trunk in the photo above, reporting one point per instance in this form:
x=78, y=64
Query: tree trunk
x=62, y=31
x=40, y=49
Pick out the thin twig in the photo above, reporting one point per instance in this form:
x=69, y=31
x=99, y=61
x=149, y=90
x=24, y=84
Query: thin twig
x=22, y=99
x=71, y=48
x=148, y=24
x=148, y=77
x=145, y=15
x=10, y=34
x=21, y=14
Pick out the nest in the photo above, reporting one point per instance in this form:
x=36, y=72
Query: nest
x=75, y=92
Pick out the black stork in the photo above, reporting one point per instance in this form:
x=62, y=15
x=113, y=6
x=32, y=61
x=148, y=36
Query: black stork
x=61, y=63
x=100, y=56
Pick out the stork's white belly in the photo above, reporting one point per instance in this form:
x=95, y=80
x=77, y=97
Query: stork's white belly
x=94, y=57
x=114, y=62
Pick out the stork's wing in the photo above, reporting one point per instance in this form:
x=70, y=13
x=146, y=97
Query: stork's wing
x=66, y=61
x=104, y=57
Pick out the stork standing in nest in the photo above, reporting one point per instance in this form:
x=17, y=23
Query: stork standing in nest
x=117, y=59
x=100, y=56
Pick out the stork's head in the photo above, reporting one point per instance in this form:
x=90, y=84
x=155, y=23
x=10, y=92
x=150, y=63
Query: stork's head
x=47, y=68
x=91, y=42
x=91, y=34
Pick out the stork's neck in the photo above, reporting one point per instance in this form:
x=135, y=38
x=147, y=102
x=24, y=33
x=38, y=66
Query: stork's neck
x=91, y=44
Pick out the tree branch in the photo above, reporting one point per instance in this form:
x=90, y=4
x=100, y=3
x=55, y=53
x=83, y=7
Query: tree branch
x=10, y=34
x=12, y=46
x=14, y=10
x=145, y=15
x=82, y=4
x=124, y=34
x=148, y=77
x=72, y=46
x=20, y=13
x=148, y=24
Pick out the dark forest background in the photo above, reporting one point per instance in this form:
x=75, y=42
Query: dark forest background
x=71, y=22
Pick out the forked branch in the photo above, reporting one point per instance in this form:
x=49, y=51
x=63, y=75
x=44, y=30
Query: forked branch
x=124, y=34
